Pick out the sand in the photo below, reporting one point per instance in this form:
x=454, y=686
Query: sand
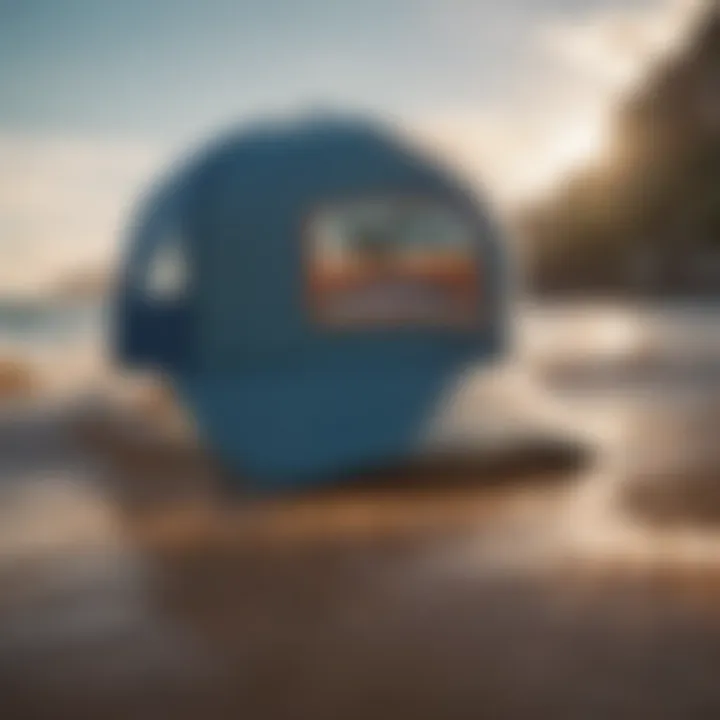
x=136, y=586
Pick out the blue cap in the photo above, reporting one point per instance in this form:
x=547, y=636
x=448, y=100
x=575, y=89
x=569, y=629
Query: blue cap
x=311, y=289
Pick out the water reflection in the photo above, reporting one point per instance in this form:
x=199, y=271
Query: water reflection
x=647, y=385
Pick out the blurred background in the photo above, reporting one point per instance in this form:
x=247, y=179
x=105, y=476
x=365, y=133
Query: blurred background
x=574, y=574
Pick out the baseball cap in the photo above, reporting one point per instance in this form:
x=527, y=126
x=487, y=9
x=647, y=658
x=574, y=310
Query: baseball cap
x=312, y=289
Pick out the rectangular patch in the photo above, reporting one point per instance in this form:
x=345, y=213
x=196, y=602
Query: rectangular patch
x=393, y=262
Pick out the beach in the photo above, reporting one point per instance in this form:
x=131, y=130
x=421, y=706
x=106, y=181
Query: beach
x=541, y=584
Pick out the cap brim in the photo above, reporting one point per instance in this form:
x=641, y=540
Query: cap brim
x=281, y=429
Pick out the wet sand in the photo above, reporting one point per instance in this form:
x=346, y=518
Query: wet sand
x=550, y=585
x=134, y=586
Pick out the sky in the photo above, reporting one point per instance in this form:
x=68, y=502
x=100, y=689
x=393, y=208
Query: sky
x=97, y=96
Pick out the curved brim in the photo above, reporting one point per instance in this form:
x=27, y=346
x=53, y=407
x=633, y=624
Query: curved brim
x=307, y=427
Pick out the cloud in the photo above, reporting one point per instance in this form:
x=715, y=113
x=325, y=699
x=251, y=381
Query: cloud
x=63, y=203
x=561, y=117
x=615, y=48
